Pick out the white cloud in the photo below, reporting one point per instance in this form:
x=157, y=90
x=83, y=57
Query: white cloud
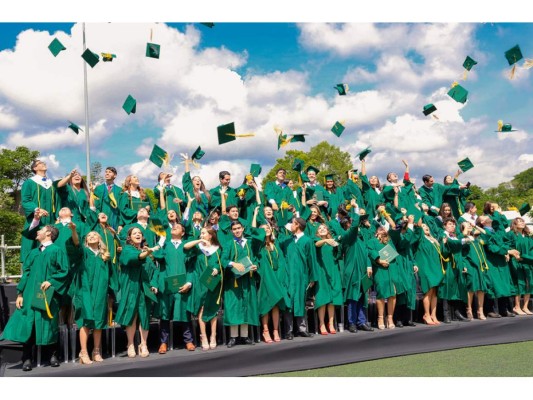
x=7, y=119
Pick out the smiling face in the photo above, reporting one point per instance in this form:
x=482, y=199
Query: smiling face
x=134, y=180
x=268, y=213
x=76, y=178
x=311, y=175
x=43, y=234
x=450, y=226
x=290, y=184
x=40, y=168
x=172, y=216
x=280, y=175
x=237, y=230
x=267, y=228
x=314, y=213
x=426, y=230
x=92, y=238
x=322, y=230
x=136, y=236
x=373, y=181
x=233, y=213
x=177, y=231
x=102, y=218
x=196, y=182
x=448, y=180
x=205, y=235
x=225, y=181
x=109, y=175
x=329, y=184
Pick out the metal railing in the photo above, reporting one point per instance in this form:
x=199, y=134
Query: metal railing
x=3, y=250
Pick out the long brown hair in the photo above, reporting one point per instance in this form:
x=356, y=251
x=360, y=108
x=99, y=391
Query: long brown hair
x=202, y=188
x=126, y=188
x=319, y=216
x=525, y=231
x=214, y=237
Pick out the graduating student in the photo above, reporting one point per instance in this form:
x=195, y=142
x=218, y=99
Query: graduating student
x=97, y=279
x=173, y=299
x=277, y=193
x=300, y=253
x=195, y=188
x=133, y=198
x=457, y=198
x=372, y=191
x=174, y=197
x=73, y=193
x=35, y=320
x=432, y=194
x=137, y=290
x=38, y=196
x=106, y=197
x=240, y=287
x=204, y=302
x=273, y=294
x=149, y=236
x=223, y=189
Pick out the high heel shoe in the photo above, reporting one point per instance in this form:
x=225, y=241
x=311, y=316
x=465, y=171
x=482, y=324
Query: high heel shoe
x=332, y=329
x=323, y=330
x=381, y=325
x=518, y=311
x=213, y=343
x=275, y=333
x=205, y=343
x=526, y=311
x=143, y=352
x=131, y=351
x=96, y=355
x=428, y=320
x=435, y=321
x=390, y=322
x=481, y=316
x=266, y=336
x=84, y=358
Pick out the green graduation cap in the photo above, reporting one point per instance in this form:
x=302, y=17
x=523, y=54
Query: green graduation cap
x=338, y=128
x=198, y=154
x=329, y=177
x=304, y=177
x=90, y=58
x=108, y=57
x=297, y=165
x=298, y=138
x=74, y=127
x=56, y=47
x=342, y=88
x=255, y=170
x=311, y=168
x=41, y=299
x=469, y=63
x=429, y=108
x=458, y=93
x=524, y=208
x=513, y=55
x=130, y=105
x=152, y=50
x=208, y=24
x=363, y=154
x=465, y=164
x=226, y=133
x=504, y=127
x=159, y=156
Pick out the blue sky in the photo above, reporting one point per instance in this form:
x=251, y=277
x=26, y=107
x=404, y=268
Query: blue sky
x=263, y=74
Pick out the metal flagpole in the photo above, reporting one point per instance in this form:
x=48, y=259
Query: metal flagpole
x=87, y=147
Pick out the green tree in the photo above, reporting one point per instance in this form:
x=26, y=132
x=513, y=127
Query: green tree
x=96, y=173
x=15, y=167
x=329, y=159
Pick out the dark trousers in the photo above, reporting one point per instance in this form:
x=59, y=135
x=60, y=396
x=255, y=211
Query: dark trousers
x=164, y=329
x=356, y=312
x=288, y=323
x=46, y=351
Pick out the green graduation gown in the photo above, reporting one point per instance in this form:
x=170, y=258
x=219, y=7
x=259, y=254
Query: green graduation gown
x=429, y=260
x=107, y=202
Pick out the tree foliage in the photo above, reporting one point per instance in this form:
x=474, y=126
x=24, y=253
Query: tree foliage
x=96, y=173
x=327, y=158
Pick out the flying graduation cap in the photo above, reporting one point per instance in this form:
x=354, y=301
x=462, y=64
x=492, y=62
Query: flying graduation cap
x=75, y=127
x=226, y=133
x=362, y=154
x=90, y=58
x=159, y=157
x=208, y=24
x=430, y=109
x=153, y=50
x=458, y=93
x=56, y=47
x=284, y=140
x=504, y=127
x=108, y=56
x=513, y=55
x=130, y=105
x=338, y=128
x=467, y=65
x=342, y=88
x=465, y=164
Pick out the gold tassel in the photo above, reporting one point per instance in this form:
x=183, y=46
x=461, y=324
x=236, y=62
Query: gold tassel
x=241, y=134
x=513, y=70
x=221, y=277
x=48, y=312
x=528, y=63
x=112, y=201
x=465, y=75
x=235, y=284
x=500, y=125
x=110, y=319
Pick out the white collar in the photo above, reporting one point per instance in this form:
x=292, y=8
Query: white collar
x=208, y=250
x=38, y=179
x=46, y=244
x=298, y=235
x=135, y=193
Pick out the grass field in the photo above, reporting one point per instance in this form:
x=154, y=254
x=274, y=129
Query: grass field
x=504, y=360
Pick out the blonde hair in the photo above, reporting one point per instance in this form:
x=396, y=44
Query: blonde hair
x=102, y=248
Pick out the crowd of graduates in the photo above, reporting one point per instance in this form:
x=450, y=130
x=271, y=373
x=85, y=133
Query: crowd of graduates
x=107, y=255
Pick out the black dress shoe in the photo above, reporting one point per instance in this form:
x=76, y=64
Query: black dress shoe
x=509, y=314
x=26, y=365
x=409, y=323
x=492, y=314
x=54, y=362
x=289, y=336
x=399, y=324
x=247, y=341
x=352, y=328
x=304, y=334
x=460, y=316
x=232, y=342
x=365, y=327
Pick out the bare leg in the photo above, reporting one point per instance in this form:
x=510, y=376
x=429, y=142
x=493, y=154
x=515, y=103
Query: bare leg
x=391, y=305
x=144, y=338
x=380, y=304
x=321, y=313
x=84, y=336
x=203, y=333
x=97, y=339
x=480, y=300
x=433, y=305
x=517, y=309
x=426, y=302
x=130, y=334
x=213, y=341
x=275, y=323
x=470, y=298
x=266, y=333
x=331, y=318
x=525, y=307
